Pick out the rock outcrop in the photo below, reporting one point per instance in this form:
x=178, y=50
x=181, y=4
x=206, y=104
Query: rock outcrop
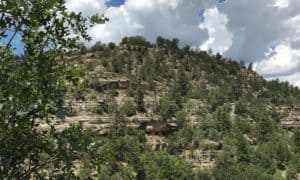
x=293, y=119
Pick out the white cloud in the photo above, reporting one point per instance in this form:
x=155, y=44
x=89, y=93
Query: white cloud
x=87, y=7
x=121, y=24
x=151, y=5
x=150, y=18
x=281, y=60
x=240, y=29
x=282, y=3
x=220, y=39
x=293, y=78
x=294, y=25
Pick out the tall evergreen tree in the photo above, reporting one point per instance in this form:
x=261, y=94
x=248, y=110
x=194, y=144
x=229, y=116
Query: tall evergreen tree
x=297, y=141
x=139, y=98
x=182, y=81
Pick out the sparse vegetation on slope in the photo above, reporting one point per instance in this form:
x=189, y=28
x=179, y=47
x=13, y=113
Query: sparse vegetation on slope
x=136, y=110
x=209, y=117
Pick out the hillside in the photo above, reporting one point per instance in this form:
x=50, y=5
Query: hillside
x=147, y=110
x=157, y=111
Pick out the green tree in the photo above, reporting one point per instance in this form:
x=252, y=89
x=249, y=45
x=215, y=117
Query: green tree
x=132, y=87
x=160, y=42
x=111, y=45
x=129, y=107
x=117, y=64
x=181, y=119
x=136, y=41
x=182, y=140
x=182, y=81
x=161, y=165
x=243, y=149
x=37, y=90
x=241, y=107
x=265, y=128
x=297, y=141
x=223, y=120
x=265, y=157
x=167, y=107
x=139, y=98
x=283, y=155
x=250, y=67
x=175, y=93
x=242, y=125
x=98, y=46
x=216, y=99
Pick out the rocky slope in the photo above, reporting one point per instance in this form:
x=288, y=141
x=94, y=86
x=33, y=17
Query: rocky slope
x=196, y=105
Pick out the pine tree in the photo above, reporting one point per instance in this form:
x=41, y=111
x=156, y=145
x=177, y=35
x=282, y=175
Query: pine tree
x=139, y=98
x=250, y=67
x=297, y=141
x=167, y=107
x=182, y=81
x=223, y=120
x=129, y=108
x=175, y=93
x=243, y=150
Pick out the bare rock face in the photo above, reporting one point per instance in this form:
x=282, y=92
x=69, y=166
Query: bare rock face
x=156, y=143
x=157, y=127
x=113, y=84
x=100, y=125
x=202, y=159
x=205, y=156
x=293, y=120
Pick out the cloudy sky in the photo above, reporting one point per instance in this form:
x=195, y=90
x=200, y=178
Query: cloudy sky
x=265, y=32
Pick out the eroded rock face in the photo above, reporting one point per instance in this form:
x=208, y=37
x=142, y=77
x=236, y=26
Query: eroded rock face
x=200, y=158
x=100, y=125
x=156, y=143
x=156, y=127
x=293, y=119
x=113, y=84
x=290, y=123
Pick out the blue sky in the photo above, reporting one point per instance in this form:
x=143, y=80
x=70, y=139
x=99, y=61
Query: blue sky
x=17, y=46
x=115, y=3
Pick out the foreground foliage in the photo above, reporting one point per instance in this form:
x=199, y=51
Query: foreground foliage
x=32, y=86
